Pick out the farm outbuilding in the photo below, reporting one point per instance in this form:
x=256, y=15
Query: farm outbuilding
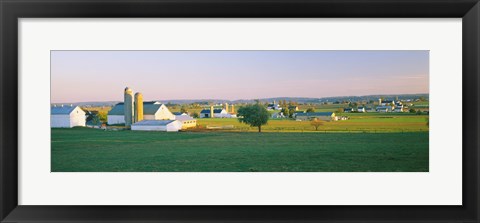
x=347, y=110
x=278, y=115
x=384, y=108
x=66, y=116
x=274, y=106
x=217, y=113
x=187, y=121
x=325, y=116
x=151, y=111
x=157, y=125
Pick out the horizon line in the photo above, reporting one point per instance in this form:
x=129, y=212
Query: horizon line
x=223, y=99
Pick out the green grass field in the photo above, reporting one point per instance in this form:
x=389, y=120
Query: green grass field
x=93, y=150
x=358, y=122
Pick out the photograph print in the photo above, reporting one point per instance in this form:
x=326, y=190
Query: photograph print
x=240, y=111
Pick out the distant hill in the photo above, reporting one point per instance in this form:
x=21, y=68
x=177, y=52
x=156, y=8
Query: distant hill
x=300, y=100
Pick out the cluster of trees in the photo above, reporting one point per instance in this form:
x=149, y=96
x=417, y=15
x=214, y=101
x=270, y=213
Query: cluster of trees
x=97, y=117
x=418, y=112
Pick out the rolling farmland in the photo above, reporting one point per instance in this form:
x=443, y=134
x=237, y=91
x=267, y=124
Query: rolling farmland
x=94, y=150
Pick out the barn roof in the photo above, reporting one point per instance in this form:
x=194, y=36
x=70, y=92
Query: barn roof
x=62, y=110
x=149, y=108
x=153, y=122
x=183, y=118
x=217, y=110
x=309, y=114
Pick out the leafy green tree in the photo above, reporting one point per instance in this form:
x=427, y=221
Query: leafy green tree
x=411, y=110
x=196, y=115
x=291, y=112
x=285, y=112
x=102, y=115
x=310, y=110
x=96, y=120
x=254, y=115
x=183, y=109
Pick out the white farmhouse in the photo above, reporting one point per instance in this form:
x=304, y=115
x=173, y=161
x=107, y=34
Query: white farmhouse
x=157, y=125
x=278, y=115
x=151, y=111
x=217, y=113
x=384, y=109
x=66, y=116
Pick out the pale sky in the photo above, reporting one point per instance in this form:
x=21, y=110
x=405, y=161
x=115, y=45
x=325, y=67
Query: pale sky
x=82, y=76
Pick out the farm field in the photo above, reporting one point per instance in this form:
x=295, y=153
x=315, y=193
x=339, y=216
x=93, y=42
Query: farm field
x=94, y=150
x=358, y=122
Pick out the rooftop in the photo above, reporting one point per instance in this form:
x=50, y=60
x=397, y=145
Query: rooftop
x=316, y=114
x=62, y=110
x=153, y=122
x=149, y=108
x=183, y=118
x=215, y=110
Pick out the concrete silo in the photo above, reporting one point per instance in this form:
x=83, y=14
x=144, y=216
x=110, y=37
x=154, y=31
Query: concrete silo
x=138, y=107
x=128, y=106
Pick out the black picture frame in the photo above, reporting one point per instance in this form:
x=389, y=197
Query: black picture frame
x=12, y=10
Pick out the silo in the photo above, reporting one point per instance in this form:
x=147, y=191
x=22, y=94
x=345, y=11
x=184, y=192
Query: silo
x=226, y=107
x=211, y=111
x=233, y=109
x=128, y=106
x=138, y=107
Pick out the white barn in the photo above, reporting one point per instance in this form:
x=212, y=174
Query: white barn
x=66, y=116
x=157, y=125
x=151, y=111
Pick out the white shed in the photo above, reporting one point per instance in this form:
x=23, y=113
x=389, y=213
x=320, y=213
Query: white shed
x=157, y=125
x=66, y=117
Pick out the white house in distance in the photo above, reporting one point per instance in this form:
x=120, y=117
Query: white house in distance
x=273, y=106
x=217, y=113
x=153, y=110
x=278, y=115
x=66, y=116
x=325, y=116
x=384, y=108
x=157, y=125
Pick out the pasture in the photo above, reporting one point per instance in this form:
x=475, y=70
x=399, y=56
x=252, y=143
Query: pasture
x=358, y=122
x=94, y=150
